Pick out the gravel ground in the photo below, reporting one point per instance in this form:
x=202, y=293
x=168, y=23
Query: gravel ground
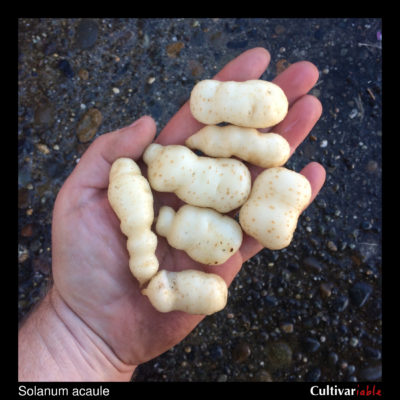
x=310, y=312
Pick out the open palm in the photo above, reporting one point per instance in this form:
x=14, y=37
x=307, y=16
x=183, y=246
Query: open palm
x=90, y=259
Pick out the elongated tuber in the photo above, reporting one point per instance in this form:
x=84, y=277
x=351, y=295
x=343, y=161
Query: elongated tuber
x=192, y=291
x=271, y=213
x=252, y=104
x=262, y=149
x=204, y=234
x=219, y=183
x=130, y=197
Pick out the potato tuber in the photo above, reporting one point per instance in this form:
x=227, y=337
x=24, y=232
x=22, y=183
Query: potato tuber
x=252, y=104
x=277, y=198
x=131, y=199
x=192, y=291
x=205, y=235
x=219, y=183
x=262, y=149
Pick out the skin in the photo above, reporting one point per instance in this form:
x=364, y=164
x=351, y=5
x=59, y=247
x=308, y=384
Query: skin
x=94, y=324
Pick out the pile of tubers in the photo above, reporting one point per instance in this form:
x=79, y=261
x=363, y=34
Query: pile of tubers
x=210, y=185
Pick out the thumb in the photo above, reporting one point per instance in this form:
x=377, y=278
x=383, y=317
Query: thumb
x=94, y=166
x=129, y=141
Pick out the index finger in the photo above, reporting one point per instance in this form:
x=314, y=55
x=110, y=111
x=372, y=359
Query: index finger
x=249, y=65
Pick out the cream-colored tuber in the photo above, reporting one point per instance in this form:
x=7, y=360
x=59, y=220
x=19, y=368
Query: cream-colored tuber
x=131, y=199
x=204, y=234
x=263, y=149
x=192, y=291
x=219, y=183
x=252, y=104
x=277, y=198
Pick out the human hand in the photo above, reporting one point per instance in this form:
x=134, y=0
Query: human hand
x=90, y=260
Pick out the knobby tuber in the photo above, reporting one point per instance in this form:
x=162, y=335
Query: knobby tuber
x=131, y=198
x=252, y=104
x=192, y=291
x=276, y=200
x=205, y=235
x=219, y=183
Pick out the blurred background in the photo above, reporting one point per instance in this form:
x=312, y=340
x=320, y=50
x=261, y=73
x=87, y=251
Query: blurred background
x=310, y=312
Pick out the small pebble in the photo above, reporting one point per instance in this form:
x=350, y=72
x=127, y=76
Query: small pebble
x=366, y=225
x=333, y=358
x=88, y=125
x=23, y=254
x=331, y=246
x=353, y=342
x=65, y=67
x=86, y=33
x=264, y=376
x=83, y=74
x=279, y=355
x=341, y=303
x=279, y=29
x=271, y=301
x=371, y=373
x=195, y=68
x=360, y=293
x=372, y=166
x=216, y=352
x=27, y=230
x=237, y=44
x=372, y=353
x=222, y=378
x=325, y=289
x=313, y=263
x=42, y=265
x=353, y=113
x=351, y=369
x=43, y=148
x=313, y=375
x=287, y=327
x=44, y=113
x=241, y=352
x=311, y=345
x=281, y=65
x=174, y=49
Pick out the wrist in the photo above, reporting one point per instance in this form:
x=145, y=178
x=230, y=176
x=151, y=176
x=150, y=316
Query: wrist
x=55, y=344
